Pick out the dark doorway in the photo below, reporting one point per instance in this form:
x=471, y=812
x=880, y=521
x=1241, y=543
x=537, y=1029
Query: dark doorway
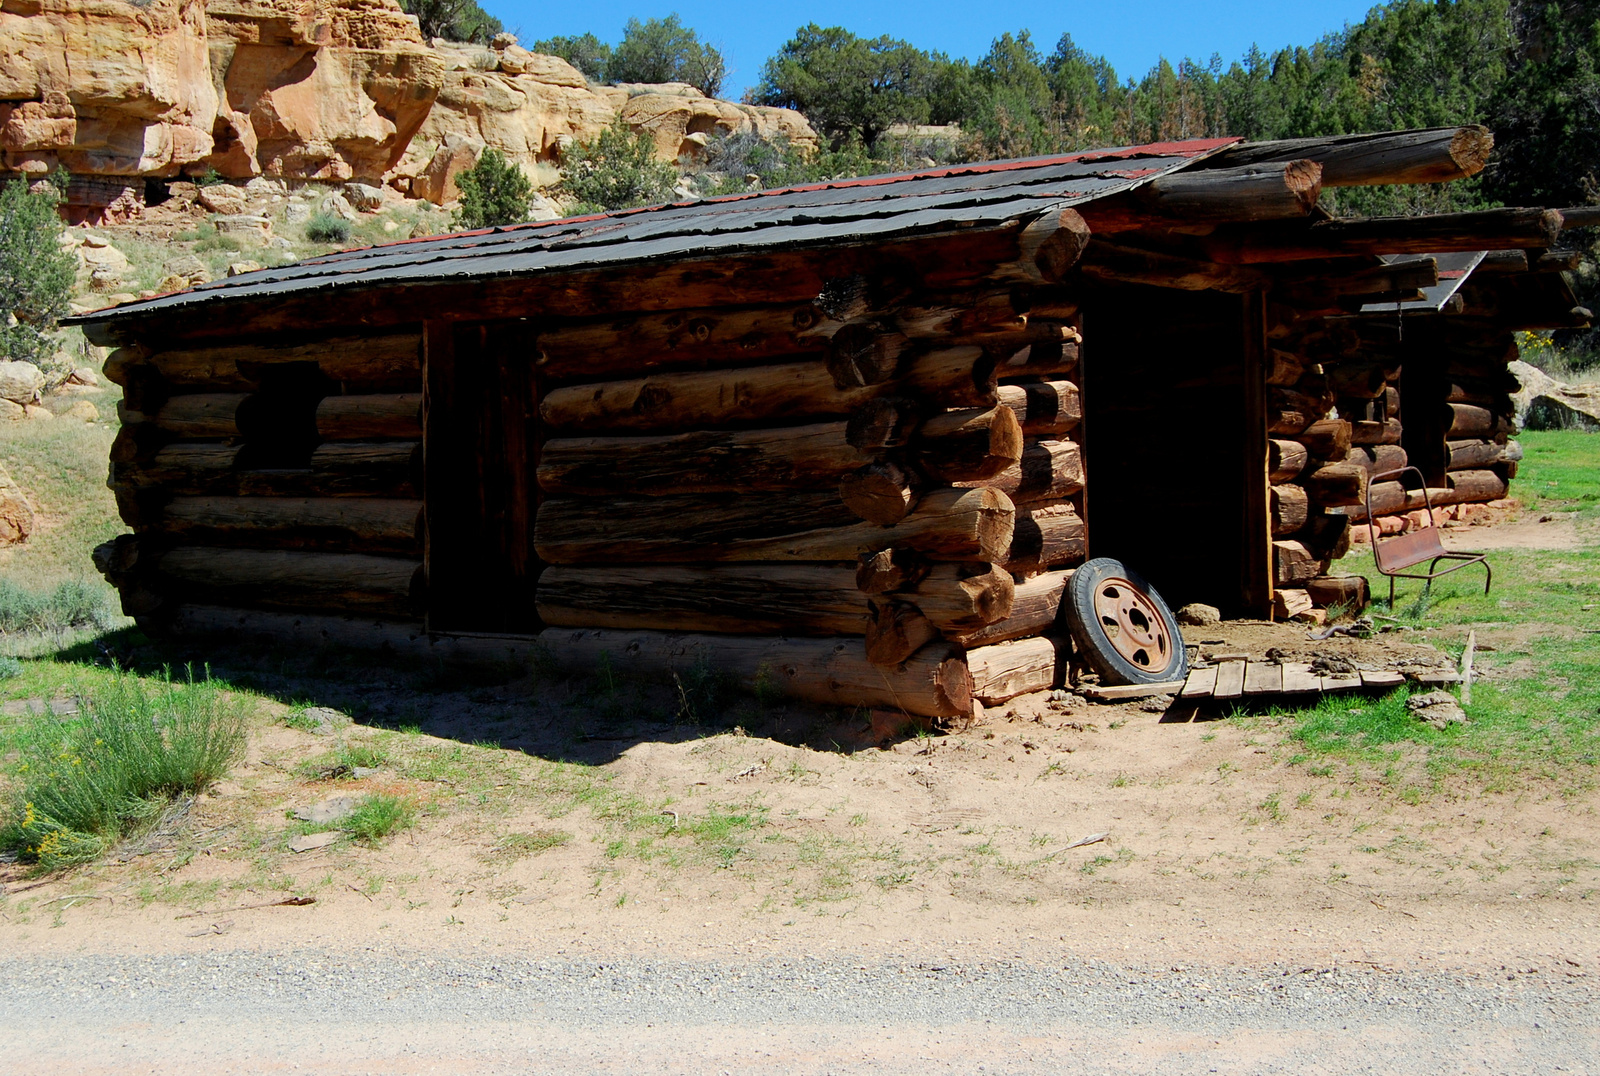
x=1174, y=444
x=480, y=455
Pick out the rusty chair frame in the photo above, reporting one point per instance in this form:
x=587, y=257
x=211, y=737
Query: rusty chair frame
x=1408, y=550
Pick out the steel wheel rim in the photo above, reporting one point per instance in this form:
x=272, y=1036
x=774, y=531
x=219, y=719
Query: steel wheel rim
x=1132, y=624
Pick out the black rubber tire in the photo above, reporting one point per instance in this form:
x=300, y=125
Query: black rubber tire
x=1091, y=637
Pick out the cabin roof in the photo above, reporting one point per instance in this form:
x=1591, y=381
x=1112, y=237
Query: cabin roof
x=866, y=208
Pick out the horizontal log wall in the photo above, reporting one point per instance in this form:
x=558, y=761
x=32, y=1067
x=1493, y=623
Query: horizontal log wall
x=712, y=483
x=272, y=477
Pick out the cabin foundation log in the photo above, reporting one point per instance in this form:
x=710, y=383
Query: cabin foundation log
x=1003, y=671
x=810, y=599
x=934, y=682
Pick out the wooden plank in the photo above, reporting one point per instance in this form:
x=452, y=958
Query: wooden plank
x=1298, y=678
x=1382, y=678
x=1341, y=682
x=1201, y=683
x=1263, y=678
x=1116, y=692
x=1230, y=680
x=1466, y=668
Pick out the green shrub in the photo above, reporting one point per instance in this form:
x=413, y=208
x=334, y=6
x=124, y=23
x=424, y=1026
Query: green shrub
x=80, y=782
x=585, y=52
x=493, y=192
x=453, y=20
x=379, y=815
x=324, y=227
x=75, y=603
x=10, y=668
x=618, y=170
x=665, y=50
x=36, y=275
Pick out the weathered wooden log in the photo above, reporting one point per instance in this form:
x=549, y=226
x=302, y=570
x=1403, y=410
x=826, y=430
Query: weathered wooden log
x=895, y=631
x=1327, y=536
x=1357, y=380
x=1048, y=471
x=1045, y=536
x=1290, y=508
x=1350, y=591
x=297, y=580
x=1392, y=498
x=890, y=569
x=358, y=468
x=1044, y=408
x=884, y=423
x=962, y=597
x=1290, y=602
x=1488, y=229
x=1035, y=609
x=1268, y=191
x=366, y=359
x=1478, y=422
x=1295, y=399
x=1039, y=358
x=1049, y=247
x=370, y=525
x=864, y=353
x=680, y=338
x=803, y=599
x=975, y=315
x=1003, y=671
x=1293, y=563
x=1477, y=485
x=969, y=444
x=1433, y=155
x=1285, y=459
x=706, y=461
x=933, y=682
x=1335, y=485
x=1370, y=432
x=696, y=399
x=370, y=417
x=882, y=492
x=1135, y=265
x=201, y=414
x=1475, y=454
x=947, y=524
x=1377, y=459
x=186, y=467
x=1286, y=369
x=1288, y=423
x=1586, y=216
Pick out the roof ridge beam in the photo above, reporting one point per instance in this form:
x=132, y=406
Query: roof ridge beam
x=1429, y=155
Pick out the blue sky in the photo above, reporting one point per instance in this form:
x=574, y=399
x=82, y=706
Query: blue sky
x=1133, y=34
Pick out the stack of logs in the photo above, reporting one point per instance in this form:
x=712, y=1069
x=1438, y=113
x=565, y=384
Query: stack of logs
x=285, y=477
x=903, y=487
x=1318, y=468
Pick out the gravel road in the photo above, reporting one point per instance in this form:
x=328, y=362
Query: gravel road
x=379, y=1012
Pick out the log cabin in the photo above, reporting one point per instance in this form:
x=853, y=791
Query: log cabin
x=847, y=440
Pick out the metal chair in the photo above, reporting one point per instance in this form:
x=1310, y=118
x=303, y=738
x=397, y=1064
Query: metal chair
x=1408, y=550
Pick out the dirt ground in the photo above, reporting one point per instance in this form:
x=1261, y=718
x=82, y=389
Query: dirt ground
x=1105, y=831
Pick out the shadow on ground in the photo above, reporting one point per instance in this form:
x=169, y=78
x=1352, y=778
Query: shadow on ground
x=590, y=719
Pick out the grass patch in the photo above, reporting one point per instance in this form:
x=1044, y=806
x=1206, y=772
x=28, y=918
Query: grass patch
x=325, y=227
x=1560, y=471
x=515, y=846
x=77, y=783
x=379, y=815
x=72, y=603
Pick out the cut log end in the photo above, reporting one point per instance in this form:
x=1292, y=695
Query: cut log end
x=1470, y=149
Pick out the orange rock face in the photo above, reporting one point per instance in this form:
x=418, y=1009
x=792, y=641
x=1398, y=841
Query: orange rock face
x=329, y=90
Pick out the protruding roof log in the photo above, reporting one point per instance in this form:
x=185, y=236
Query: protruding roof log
x=1431, y=155
x=1490, y=229
x=1271, y=191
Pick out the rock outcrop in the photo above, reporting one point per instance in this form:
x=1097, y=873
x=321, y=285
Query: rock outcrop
x=1543, y=403
x=329, y=90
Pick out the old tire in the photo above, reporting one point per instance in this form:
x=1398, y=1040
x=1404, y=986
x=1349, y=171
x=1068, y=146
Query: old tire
x=1122, y=627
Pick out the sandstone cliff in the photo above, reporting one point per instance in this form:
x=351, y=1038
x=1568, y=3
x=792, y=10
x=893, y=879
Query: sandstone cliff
x=330, y=90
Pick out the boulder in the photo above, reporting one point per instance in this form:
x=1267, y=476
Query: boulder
x=83, y=411
x=10, y=411
x=1197, y=615
x=188, y=269
x=223, y=198
x=1438, y=708
x=244, y=226
x=20, y=382
x=16, y=515
x=1543, y=403
x=364, y=196
x=38, y=413
x=240, y=268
